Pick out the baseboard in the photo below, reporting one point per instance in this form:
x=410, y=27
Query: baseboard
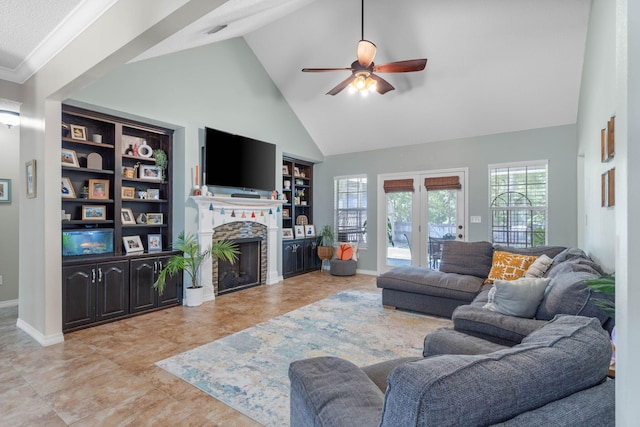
x=43, y=340
x=9, y=303
x=367, y=272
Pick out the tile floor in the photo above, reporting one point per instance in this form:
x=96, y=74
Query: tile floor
x=105, y=376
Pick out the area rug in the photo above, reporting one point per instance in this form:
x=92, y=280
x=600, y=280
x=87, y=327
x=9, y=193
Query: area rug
x=249, y=369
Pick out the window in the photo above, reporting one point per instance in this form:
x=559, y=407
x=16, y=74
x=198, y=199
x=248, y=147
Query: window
x=518, y=203
x=350, y=207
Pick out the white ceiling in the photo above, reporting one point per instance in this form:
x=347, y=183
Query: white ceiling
x=494, y=65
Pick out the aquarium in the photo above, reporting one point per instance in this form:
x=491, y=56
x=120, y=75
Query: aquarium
x=87, y=242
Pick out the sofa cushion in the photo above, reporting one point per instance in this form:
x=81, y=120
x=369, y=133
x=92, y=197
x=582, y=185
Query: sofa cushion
x=519, y=297
x=472, y=258
x=563, y=357
x=550, y=251
x=508, y=266
x=539, y=266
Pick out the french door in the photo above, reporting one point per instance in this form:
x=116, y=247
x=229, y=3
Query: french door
x=417, y=212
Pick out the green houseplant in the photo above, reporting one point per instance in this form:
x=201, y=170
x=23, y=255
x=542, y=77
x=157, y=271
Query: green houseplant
x=191, y=258
x=605, y=285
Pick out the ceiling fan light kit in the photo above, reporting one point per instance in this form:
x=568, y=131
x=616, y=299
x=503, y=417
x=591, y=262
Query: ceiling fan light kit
x=362, y=79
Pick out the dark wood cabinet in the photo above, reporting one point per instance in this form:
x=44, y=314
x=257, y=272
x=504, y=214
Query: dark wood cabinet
x=299, y=256
x=311, y=260
x=143, y=296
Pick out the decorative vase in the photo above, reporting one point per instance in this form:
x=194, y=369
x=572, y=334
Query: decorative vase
x=194, y=296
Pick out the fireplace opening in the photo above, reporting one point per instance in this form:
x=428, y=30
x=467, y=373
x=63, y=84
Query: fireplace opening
x=245, y=273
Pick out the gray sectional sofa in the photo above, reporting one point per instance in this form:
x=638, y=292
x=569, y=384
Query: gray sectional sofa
x=557, y=376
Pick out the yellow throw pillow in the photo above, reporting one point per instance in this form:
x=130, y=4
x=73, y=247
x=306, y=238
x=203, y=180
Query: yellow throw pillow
x=508, y=266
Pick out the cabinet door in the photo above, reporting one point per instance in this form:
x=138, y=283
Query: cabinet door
x=288, y=259
x=311, y=260
x=172, y=294
x=142, y=295
x=78, y=295
x=112, y=296
x=298, y=256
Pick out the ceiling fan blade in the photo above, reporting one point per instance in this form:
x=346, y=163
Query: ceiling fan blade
x=322, y=70
x=343, y=84
x=365, y=53
x=382, y=86
x=401, y=66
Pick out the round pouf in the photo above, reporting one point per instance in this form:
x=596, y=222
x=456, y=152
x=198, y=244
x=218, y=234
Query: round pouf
x=343, y=267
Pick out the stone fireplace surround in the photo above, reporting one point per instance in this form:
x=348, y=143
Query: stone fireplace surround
x=217, y=211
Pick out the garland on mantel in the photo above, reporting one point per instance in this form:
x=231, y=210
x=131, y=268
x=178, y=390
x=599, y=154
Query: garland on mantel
x=244, y=215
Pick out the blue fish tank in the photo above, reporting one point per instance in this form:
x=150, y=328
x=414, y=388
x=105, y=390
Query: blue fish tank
x=87, y=242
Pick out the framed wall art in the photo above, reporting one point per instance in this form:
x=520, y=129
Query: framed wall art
x=150, y=173
x=154, y=218
x=94, y=212
x=99, y=189
x=5, y=190
x=31, y=171
x=66, y=188
x=132, y=244
x=78, y=132
x=608, y=141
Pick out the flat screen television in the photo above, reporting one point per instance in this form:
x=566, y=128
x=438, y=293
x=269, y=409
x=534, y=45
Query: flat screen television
x=238, y=162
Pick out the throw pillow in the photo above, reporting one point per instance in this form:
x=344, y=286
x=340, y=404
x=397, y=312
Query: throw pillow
x=344, y=252
x=539, y=267
x=508, y=266
x=470, y=258
x=519, y=297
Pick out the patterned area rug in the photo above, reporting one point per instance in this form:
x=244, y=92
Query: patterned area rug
x=249, y=369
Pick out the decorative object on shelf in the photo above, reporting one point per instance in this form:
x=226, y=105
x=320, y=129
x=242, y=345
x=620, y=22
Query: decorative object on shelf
x=128, y=192
x=94, y=212
x=310, y=231
x=142, y=218
x=287, y=185
x=79, y=132
x=64, y=128
x=127, y=217
x=285, y=170
x=154, y=218
x=132, y=244
x=84, y=194
x=66, y=188
x=31, y=172
x=302, y=220
x=150, y=173
x=130, y=172
x=287, y=233
x=5, y=190
x=144, y=150
x=142, y=192
x=97, y=138
x=296, y=171
x=154, y=242
x=299, y=231
x=87, y=242
x=94, y=161
x=65, y=216
x=69, y=158
x=299, y=182
x=285, y=213
x=189, y=261
x=161, y=161
x=153, y=193
x=99, y=189
x=196, y=191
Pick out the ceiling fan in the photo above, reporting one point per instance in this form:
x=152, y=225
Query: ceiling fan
x=362, y=78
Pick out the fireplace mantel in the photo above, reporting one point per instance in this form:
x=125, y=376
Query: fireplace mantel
x=219, y=210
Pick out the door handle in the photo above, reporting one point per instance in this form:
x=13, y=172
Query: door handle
x=93, y=275
x=99, y=274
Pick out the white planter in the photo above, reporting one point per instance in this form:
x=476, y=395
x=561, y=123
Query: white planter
x=194, y=296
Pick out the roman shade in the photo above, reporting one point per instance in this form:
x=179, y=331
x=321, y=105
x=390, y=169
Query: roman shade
x=442, y=183
x=398, y=185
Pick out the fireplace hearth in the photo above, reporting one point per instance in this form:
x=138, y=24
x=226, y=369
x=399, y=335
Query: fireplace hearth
x=245, y=272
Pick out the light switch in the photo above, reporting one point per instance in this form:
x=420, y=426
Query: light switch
x=476, y=219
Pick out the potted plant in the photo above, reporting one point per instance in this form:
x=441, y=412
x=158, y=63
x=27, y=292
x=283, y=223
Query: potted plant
x=325, y=249
x=161, y=161
x=190, y=260
x=605, y=285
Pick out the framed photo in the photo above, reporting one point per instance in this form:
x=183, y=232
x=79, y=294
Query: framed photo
x=126, y=216
x=69, y=158
x=66, y=188
x=30, y=168
x=310, y=231
x=94, y=212
x=153, y=193
x=299, y=230
x=99, y=189
x=149, y=172
x=128, y=192
x=285, y=213
x=154, y=218
x=5, y=191
x=285, y=170
x=78, y=132
x=296, y=171
x=287, y=233
x=154, y=242
x=132, y=244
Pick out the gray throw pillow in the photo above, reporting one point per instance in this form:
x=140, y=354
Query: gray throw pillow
x=519, y=297
x=470, y=258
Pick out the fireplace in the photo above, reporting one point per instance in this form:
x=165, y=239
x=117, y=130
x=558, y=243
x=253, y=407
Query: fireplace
x=245, y=272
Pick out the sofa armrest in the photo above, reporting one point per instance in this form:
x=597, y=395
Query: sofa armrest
x=449, y=341
x=329, y=391
x=493, y=326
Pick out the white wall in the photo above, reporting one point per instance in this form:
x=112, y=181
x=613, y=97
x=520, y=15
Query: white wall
x=10, y=168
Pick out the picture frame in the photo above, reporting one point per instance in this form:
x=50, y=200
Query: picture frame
x=132, y=244
x=78, y=132
x=608, y=141
x=285, y=213
x=127, y=217
x=153, y=193
x=285, y=170
x=154, y=218
x=310, y=231
x=66, y=188
x=94, y=212
x=99, y=189
x=287, y=233
x=154, y=242
x=299, y=231
x=69, y=158
x=5, y=190
x=128, y=192
x=150, y=173
x=31, y=174
x=296, y=171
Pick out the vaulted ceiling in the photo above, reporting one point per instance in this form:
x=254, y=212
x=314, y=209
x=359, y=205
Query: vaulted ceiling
x=493, y=66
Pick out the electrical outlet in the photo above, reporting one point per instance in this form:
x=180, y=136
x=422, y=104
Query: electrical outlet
x=476, y=219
